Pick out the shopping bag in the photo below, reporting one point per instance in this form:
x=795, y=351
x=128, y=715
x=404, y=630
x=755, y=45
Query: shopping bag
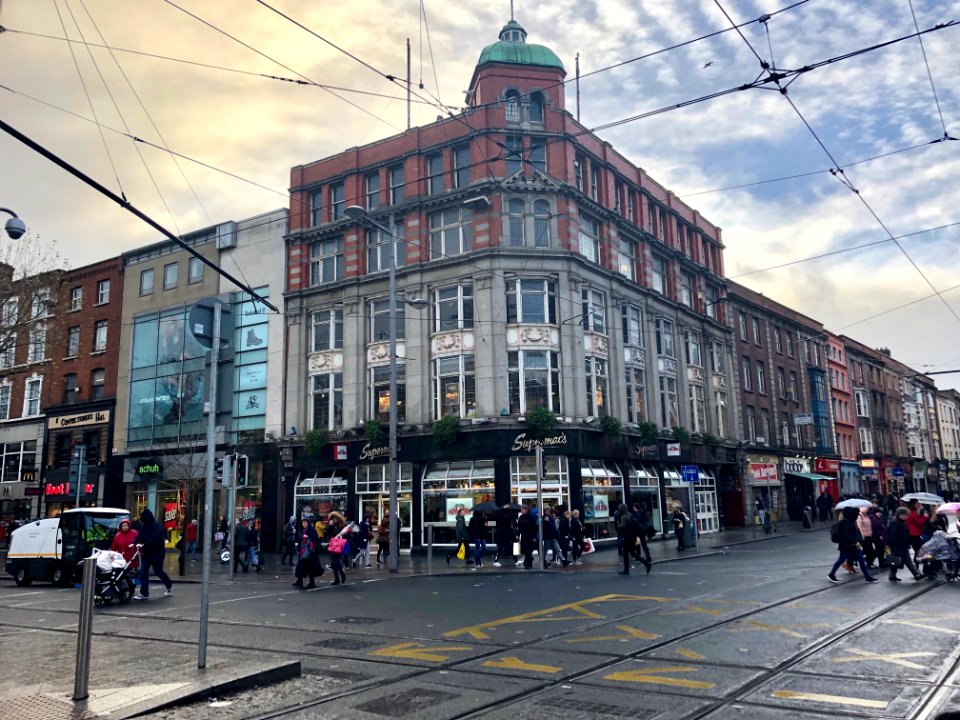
x=516, y=549
x=218, y=536
x=588, y=546
x=462, y=552
x=337, y=545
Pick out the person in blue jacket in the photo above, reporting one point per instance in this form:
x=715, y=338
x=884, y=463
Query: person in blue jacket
x=151, y=540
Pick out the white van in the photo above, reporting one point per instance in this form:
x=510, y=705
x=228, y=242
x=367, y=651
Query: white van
x=51, y=548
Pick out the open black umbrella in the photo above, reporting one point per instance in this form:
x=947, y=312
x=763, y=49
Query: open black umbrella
x=484, y=507
x=514, y=507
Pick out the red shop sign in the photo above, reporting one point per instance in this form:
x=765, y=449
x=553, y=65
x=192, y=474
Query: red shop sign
x=826, y=465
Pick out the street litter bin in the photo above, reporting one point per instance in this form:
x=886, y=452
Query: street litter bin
x=690, y=535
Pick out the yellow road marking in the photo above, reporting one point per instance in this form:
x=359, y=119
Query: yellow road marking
x=417, y=651
x=833, y=699
x=578, y=610
x=515, y=663
x=911, y=623
x=689, y=654
x=648, y=675
x=630, y=633
x=782, y=629
x=893, y=658
x=693, y=610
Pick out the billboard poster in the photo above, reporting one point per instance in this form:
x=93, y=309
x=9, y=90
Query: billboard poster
x=601, y=506
x=170, y=516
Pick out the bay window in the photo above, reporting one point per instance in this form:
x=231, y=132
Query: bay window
x=451, y=232
x=698, y=412
x=327, y=396
x=694, y=356
x=664, y=328
x=593, y=311
x=328, y=330
x=453, y=308
x=632, y=326
x=380, y=320
x=532, y=301
x=454, y=383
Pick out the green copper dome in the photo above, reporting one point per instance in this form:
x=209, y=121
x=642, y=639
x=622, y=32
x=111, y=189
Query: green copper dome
x=513, y=49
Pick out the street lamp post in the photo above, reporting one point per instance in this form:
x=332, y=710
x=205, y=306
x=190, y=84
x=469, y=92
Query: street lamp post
x=355, y=212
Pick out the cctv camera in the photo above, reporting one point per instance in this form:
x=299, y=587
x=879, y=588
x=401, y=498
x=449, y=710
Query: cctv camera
x=15, y=228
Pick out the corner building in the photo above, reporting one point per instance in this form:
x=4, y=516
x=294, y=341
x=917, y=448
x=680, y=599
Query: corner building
x=558, y=275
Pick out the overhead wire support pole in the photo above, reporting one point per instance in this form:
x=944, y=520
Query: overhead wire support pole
x=126, y=205
x=208, y=487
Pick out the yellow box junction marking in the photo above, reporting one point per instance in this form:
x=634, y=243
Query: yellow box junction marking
x=689, y=654
x=911, y=623
x=578, y=611
x=750, y=625
x=694, y=610
x=417, y=651
x=515, y=663
x=832, y=699
x=650, y=675
x=892, y=658
x=630, y=633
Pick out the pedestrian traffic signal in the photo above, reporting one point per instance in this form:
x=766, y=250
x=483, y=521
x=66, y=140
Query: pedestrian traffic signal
x=243, y=465
x=219, y=470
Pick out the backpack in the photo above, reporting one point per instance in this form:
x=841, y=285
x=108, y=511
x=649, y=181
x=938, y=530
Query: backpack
x=835, y=533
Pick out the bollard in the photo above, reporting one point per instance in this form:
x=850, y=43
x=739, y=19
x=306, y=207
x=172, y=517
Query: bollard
x=85, y=629
x=430, y=549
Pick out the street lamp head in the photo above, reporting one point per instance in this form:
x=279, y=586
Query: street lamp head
x=355, y=212
x=481, y=202
x=417, y=303
x=15, y=227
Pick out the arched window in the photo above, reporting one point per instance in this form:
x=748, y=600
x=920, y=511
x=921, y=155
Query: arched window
x=541, y=223
x=536, y=108
x=513, y=106
x=516, y=222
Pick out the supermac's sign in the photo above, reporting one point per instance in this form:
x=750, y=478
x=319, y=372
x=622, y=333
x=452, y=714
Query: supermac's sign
x=62, y=422
x=522, y=442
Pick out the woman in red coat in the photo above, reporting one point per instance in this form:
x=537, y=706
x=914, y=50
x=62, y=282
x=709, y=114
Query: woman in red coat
x=915, y=522
x=124, y=540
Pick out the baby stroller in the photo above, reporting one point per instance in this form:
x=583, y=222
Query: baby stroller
x=114, y=580
x=941, y=552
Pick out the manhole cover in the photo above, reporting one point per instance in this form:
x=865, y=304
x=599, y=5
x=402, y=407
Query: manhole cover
x=345, y=643
x=353, y=620
x=407, y=702
x=40, y=707
x=591, y=710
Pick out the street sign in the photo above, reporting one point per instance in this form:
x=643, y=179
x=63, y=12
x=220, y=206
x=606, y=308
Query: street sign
x=200, y=321
x=897, y=472
x=803, y=418
x=690, y=473
x=673, y=449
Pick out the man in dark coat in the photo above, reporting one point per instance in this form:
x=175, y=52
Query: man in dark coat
x=848, y=542
x=898, y=538
x=504, y=535
x=527, y=530
x=824, y=503
x=240, y=545
x=151, y=540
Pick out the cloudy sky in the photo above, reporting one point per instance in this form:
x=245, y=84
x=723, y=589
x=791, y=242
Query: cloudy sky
x=257, y=128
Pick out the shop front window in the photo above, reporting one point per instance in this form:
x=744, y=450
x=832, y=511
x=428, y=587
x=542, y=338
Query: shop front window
x=555, y=488
x=318, y=494
x=643, y=486
x=602, y=495
x=449, y=486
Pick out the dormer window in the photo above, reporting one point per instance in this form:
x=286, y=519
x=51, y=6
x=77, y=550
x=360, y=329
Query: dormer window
x=513, y=106
x=536, y=108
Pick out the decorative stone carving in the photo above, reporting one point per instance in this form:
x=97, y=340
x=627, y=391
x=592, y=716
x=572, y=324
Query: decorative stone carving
x=379, y=353
x=635, y=356
x=695, y=375
x=720, y=382
x=667, y=366
x=453, y=342
x=324, y=362
x=596, y=344
x=538, y=335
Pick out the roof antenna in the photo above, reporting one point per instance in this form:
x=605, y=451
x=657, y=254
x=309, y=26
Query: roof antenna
x=511, y=10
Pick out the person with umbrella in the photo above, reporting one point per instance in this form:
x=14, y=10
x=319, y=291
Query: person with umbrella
x=915, y=523
x=848, y=539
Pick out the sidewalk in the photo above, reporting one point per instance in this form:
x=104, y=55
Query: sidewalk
x=661, y=550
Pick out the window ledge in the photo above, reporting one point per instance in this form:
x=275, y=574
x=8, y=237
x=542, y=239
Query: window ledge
x=70, y=357
x=101, y=304
x=98, y=352
x=73, y=309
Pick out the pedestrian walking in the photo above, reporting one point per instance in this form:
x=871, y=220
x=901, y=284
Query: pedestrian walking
x=362, y=538
x=626, y=532
x=848, y=539
x=223, y=529
x=616, y=524
x=879, y=535
x=503, y=534
x=193, y=531
x=640, y=525
x=124, y=542
x=253, y=546
x=151, y=539
x=563, y=532
x=308, y=555
x=462, y=537
x=824, y=505
x=915, y=523
x=551, y=539
x=865, y=527
x=680, y=524
x=898, y=537
x=240, y=546
x=335, y=528
x=288, y=541
x=527, y=532
x=577, y=536
x=477, y=530
x=383, y=540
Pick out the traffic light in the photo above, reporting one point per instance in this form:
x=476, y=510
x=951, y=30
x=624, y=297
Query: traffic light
x=543, y=464
x=224, y=470
x=219, y=470
x=242, y=469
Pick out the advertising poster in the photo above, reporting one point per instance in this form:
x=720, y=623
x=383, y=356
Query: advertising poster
x=170, y=516
x=455, y=503
x=601, y=506
x=588, y=506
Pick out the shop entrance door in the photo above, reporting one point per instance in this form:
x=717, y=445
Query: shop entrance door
x=707, y=519
x=381, y=506
x=550, y=500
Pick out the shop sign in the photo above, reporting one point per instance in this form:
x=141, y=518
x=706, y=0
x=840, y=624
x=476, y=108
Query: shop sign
x=897, y=472
x=764, y=473
x=149, y=468
x=170, y=515
x=803, y=418
x=370, y=452
x=868, y=463
x=31, y=491
x=456, y=503
x=28, y=476
x=522, y=442
x=248, y=510
x=340, y=451
x=71, y=421
x=673, y=449
x=869, y=472
x=826, y=465
x=796, y=465
x=66, y=489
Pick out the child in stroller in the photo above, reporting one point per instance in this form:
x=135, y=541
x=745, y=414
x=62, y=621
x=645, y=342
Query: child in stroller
x=115, y=576
x=941, y=552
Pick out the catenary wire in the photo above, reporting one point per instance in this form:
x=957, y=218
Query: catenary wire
x=926, y=63
x=285, y=67
x=266, y=76
x=93, y=110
